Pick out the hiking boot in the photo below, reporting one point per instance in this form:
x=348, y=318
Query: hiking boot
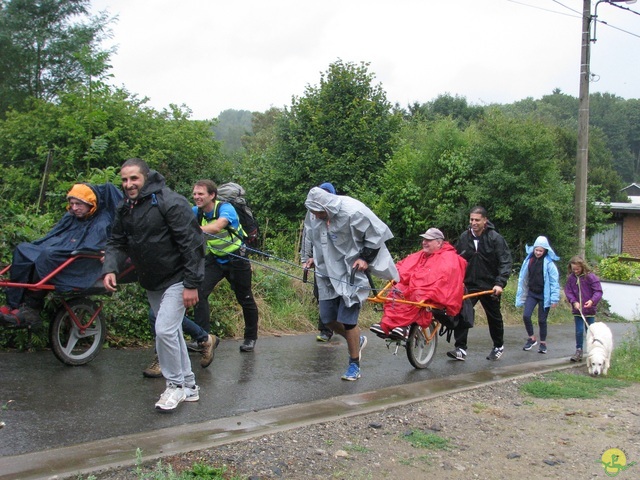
x=353, y=372
x=324, y=337
x=531, y=342
x=457, y=354
x=577, y=357
x=22, y=317
x=399, y=333
x=248, y=345
x=542, y=348
x=363, y=343
x=378, y=330
x=192, y=394
x=208, y=350
x=173, y=396
x=495, y=353
x=153, y=370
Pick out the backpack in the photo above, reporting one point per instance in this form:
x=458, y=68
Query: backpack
x=235, y=195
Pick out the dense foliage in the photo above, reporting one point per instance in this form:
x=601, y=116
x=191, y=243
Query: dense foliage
x=426, y=165
x=342, y=131
x=46, y=47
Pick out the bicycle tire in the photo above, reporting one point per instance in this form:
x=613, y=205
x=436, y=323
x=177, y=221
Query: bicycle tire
x=69, y=345
x=420, y=352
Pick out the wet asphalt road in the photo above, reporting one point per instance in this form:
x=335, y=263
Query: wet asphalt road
x=54, y=405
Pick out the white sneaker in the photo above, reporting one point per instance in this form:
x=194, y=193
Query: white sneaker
x=192, y=393
x=171, y=398
x=363, y=343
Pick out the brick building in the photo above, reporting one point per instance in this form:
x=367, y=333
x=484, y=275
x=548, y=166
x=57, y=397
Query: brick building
x=624, y=235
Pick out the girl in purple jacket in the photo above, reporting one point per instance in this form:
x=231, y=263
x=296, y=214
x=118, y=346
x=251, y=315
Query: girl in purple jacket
x=583, y=291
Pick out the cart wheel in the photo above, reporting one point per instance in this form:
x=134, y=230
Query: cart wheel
x=69, y=344
x=420, y=352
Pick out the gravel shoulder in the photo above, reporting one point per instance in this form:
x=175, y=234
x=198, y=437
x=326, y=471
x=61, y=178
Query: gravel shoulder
x=494, y=432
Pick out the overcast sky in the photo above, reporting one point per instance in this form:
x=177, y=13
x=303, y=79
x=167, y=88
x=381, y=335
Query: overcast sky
x=255, y=54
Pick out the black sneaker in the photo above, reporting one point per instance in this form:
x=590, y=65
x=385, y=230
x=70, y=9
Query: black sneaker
x=542, y=348
x=248, y=345
x=399, y=333
x=378, y=330
x=457, y=354
x=531, y=342
x=495, y=353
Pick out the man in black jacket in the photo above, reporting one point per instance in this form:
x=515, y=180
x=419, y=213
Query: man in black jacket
x=488, y=268
x=155, y=228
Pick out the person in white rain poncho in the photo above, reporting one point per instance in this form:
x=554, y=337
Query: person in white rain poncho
x=346, y=236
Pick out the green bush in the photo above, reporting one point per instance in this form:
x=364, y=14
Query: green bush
x=127, y=315
x=617, y=269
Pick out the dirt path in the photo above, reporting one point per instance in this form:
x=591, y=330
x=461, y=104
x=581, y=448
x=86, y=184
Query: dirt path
x=492, y=432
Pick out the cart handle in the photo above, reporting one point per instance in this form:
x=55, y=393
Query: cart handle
x=381, y=297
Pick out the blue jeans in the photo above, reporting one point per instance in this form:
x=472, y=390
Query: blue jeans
x=189, y=327
x=172, y=352
x=581, y=328
x=529, y=305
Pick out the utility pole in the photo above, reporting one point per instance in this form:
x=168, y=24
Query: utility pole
x=583, y=130
x=582, y=160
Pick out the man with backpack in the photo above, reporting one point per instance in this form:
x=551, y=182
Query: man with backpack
x=154, y=229
x=226, y=258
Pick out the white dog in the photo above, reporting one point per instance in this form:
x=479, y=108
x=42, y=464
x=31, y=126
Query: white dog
x=599, y=348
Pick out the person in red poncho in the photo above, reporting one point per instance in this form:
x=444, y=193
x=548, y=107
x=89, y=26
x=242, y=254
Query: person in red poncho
x=434, y=275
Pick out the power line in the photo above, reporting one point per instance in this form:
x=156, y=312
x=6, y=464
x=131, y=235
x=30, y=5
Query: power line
x=579, y=14
x=546, y=9
x=568, y=8
x=619, y=29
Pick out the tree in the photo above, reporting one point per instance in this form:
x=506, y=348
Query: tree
x=83, y=132
x=426, y=182
x=340, y=131
x=444, y=106
x=231, y=127
x=45, y=48
x=516, y=178
x=509, y=165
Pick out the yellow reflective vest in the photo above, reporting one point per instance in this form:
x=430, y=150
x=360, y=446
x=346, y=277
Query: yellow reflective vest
x=224, y=242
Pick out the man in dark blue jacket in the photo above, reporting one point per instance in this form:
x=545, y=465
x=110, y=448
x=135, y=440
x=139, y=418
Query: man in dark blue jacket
x=155, y=228
x=86, y=226
x=488, y=268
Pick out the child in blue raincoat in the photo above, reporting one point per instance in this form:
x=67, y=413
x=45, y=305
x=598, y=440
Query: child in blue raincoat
x=538, y=285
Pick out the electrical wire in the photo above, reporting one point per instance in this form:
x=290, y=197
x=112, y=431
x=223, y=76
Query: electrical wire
x=579, y=14
x=546, y=9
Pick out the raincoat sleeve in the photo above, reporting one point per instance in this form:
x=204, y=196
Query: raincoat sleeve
x=504, y=261
x=554, y=283
x=306, y=247
x=370, y=232
x=596, y=288
x=189, y=238
x=523, y=280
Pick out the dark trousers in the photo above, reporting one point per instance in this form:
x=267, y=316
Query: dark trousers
x=529, y=305
x=491, y=306
x=238, y=273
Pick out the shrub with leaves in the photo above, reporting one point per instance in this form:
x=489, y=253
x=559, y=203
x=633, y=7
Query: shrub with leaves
x=616, y=268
